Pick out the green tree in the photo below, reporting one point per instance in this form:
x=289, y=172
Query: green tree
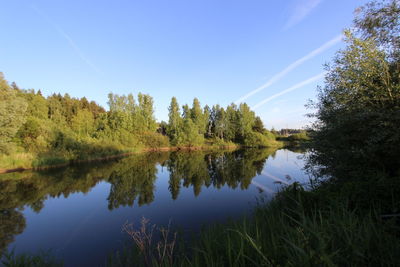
x=83, y=123
x=258, y=125
x=37, y=104
x=232, y=118
x=208, y=122
x=198, y=117
x=219, y=121
x=122, y=113
x=358, y=109
x=186, y=112
x=189, y=134
x=12, y=114
x=145, y=114
x=174, y=121
x=246, y=119
x=56, y=110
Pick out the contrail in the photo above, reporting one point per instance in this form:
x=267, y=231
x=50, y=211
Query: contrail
x=71, y=43
x=292, y=66
x=274, y=178
x=294, y=87
x=262, y=187
x=301, y=11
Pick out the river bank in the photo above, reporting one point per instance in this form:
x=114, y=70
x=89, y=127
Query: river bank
x=28, y=163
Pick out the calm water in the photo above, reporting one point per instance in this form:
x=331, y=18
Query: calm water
x=77, y=212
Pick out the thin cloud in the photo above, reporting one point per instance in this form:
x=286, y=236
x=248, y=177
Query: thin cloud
x=262, y=187
x=70, y=41
x=292, y=66
x=294, y=87
x=300, y=11
x=276, y=179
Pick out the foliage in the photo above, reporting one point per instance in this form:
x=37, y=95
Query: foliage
x=154, y=140
x=358, y=110
x=255, y=139
x=189, y=134
x=302, y=136
x=37, y=131
x=60, y=128
x=175, y=120
x=298, y=140
x=236, y=124
x=12, y=111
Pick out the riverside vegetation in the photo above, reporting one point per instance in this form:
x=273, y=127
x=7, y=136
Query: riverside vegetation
x=37, y=131
x=350, y=217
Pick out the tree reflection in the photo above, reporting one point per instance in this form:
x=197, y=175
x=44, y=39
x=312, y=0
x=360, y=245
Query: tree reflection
x=132, y=180
x=12, y=223
x=197, y=169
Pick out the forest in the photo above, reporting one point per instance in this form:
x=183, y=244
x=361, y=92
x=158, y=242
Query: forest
x=40, y=131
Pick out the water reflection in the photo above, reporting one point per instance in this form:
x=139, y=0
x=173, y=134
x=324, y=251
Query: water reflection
x=132, y=181
x=12, y=223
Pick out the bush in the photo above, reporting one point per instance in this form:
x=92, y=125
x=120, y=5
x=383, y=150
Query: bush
x=255, y=139
x=299, y=137
x=189, y=136
x=154, y=140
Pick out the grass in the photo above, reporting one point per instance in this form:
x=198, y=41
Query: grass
x=42, y=259
x=26, y=160
x=297, y=228
x=16, y=160
x=298, y=140
x=86, y=152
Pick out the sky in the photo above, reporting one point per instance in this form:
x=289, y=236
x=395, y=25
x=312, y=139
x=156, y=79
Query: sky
x=267, y=53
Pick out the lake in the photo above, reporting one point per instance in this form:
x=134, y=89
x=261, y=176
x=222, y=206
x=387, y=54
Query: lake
x=78, y=212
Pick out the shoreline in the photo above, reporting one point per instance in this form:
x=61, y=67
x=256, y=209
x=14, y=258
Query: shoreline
x=121, y=155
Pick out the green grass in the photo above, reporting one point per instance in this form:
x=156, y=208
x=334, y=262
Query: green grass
x=28, y=160
x=42, y=259
x=16, y=160
x=297, y=228
x=83, y=152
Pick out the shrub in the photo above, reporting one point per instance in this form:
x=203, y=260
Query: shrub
x=299, y=137
x=154, y=140
x=255, y=139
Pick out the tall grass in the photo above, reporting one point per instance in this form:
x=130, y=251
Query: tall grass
x=16, y=160
x=291, y=230
x=43, y=259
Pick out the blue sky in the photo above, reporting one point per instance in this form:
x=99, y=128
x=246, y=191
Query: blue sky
x=218, y=51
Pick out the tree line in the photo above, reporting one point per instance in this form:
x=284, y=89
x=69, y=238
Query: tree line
x=237, y=124
x=62, y=127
